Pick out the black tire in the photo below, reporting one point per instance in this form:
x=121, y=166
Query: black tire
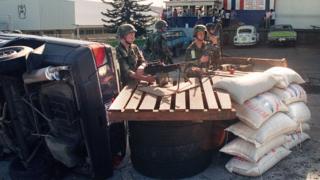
x=38, y=169
x=13, y=59
x=170, y=149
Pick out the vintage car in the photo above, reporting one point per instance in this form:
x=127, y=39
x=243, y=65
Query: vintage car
x=177, y=40
x=246, y=36
x=282, y=33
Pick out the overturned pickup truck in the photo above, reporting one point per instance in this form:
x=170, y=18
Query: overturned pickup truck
x=53, y=96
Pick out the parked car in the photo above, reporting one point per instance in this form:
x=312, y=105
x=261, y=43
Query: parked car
x=53, y=99
x=282, y=33
x=246, y=36
x=177, y=40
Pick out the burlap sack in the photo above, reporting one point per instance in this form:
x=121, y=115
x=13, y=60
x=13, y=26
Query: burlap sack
x=246, y=150
x=295, y=139
x=277, y=125
x=286, y=76
x=255, y=111
x=245, y=87
x=294, y=93
x=246, y=168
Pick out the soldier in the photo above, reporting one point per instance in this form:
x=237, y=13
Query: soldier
x=130, y=59
x=156, y=47
x=213, y=48
x=197, y=51
x=132, y=65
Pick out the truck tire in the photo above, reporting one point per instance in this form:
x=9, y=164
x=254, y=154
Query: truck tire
x=13, y=59
x=170, y=149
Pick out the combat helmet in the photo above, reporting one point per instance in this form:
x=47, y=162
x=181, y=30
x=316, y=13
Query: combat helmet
x=125, y=29
x=161, y=24
x=199, y=28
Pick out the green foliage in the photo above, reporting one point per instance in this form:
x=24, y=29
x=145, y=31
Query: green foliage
x=127, y=11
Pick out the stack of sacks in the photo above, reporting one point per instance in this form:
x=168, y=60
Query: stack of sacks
x=267, y=127
x=258, y=148
x=294, y=96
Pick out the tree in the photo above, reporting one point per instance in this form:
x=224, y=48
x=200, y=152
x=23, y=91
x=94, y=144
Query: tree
x=127, y=11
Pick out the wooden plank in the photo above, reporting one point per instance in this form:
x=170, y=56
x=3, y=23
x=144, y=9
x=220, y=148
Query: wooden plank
x=148, y=103
x=185, y=86
x=195, y=97
x=134, y=101
x=209, y=95
x=180, y=104
x=165, y=103
x=122, y=99
x=116, y=116
x=224, y=100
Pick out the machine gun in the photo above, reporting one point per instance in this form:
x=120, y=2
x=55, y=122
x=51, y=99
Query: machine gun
x=159, y=68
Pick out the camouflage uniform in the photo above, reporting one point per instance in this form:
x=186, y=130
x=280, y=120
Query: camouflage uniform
x=193, y=53
x=214, y=53
x=214, y=50
x=156, y=47
x=129, y=60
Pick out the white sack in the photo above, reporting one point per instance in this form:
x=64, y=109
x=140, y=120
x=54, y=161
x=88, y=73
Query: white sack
x=254, y=112
x=286, y=76
x=295, y=139
x=277, y=125
x=246, y=150
x=299, y=112
x=302, y=127
x=294, y=93
x=246, y=168
x=245, y=87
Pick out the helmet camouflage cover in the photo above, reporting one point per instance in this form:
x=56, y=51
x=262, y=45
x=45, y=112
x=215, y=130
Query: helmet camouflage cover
x=125, y=29
x=199, y=28
x=161, y=24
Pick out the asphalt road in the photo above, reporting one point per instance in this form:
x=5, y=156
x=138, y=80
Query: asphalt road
x=302, y=163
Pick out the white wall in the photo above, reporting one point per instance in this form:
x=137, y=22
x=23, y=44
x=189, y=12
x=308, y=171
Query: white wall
x=53, y=14
x=299, y=13
x=89, y=12
x=9, y=14
x=57, y=14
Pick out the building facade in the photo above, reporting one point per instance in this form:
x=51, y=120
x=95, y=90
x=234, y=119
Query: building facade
x=59, y=18
x=300, y=14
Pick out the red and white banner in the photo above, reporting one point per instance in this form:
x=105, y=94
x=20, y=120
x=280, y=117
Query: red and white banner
x=248, y=4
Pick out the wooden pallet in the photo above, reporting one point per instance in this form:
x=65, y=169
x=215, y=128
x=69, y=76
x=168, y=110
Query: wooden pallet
x=199, y=103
